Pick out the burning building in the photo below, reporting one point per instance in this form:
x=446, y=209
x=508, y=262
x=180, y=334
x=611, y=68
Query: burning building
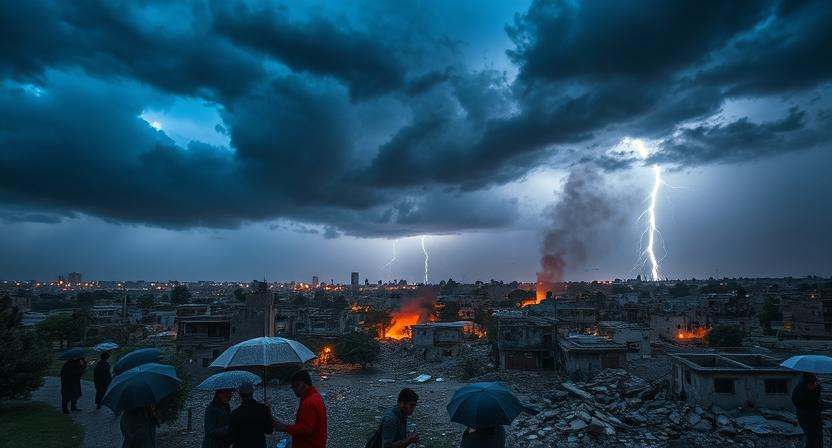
x=416, y=310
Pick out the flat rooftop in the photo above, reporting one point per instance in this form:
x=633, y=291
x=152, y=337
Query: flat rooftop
x=588, y=342
x=729, y=362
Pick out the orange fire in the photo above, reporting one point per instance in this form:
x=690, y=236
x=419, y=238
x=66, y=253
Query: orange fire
x=325, y=356
x=696, y=333
x=400, y=327
x=539, y=295
x=355, y=307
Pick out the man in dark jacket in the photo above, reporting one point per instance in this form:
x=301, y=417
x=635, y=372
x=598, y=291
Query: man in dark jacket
x=102, y=377
x=250, y=421
x=494, y=437
x=394, y=424
x=217, y=420
x=71, y=374
x=806, y=399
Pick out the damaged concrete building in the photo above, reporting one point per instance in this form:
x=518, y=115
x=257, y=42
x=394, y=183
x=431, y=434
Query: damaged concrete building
x=732, y=380
x=584, y=355
x=438, y=340
x=634, y=336
x=525, y=342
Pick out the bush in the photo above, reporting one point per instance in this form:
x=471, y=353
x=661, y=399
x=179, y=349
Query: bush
x=172, y=406
x=470, y=367
x=358, y=348
x=25, y=356
x=725, y=336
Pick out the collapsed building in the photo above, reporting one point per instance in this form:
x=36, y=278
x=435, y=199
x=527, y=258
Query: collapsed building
x=635, y=337
x=438, y=340
x=732, y=380
x=525, y=342
x=584, y=355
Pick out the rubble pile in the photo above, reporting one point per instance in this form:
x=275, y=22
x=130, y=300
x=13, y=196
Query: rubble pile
x=403, y=357
x=621, y=410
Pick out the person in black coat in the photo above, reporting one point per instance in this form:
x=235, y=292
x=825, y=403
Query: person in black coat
x=250, y=421
x=102, y=377
x=71, y=374
x=806, y=399
x=217, y=420
x=494, y=437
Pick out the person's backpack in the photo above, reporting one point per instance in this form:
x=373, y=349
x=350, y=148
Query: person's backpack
x=375, y=439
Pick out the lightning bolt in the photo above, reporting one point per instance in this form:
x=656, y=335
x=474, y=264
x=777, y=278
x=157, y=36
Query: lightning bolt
x=389, y=265
x=651, y=224
x=424, y=251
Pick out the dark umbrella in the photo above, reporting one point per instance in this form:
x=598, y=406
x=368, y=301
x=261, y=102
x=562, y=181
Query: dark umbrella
x=141, y=386
x=136, y=358
x=485, y=405
x=73, y=353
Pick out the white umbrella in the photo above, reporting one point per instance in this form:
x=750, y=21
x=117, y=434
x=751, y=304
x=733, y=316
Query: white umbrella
x=264, y=352
x=105, y=346
x=231, y=379
x=809, y=363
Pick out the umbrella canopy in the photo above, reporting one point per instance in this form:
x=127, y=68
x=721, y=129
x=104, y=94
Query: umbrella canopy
x=105, y=346
x=136, y=358
x=809, y=363
x=485, y=405
x=141, y=386
x=73, y=353
x=231, y=379
x=264, y=351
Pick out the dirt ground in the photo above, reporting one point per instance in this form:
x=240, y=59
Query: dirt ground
x=356, y=400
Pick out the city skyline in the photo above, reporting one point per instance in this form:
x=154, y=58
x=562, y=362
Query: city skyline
x=234, y=141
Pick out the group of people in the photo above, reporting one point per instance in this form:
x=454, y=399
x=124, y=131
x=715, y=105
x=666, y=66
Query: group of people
x=71, y=374
x=247, y=425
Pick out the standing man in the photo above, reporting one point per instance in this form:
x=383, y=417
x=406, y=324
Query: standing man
x=251, y=421
x=806, y=399
x=394, y=425
x=309, y=430
x=102, y=377
x=71, y=374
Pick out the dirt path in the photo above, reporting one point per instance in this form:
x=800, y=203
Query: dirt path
x=100, y=426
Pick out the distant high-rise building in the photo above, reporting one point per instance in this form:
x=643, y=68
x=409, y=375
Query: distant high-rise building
x=354, y=280
x=366, y=282
x=75, y=277
x=315, y=281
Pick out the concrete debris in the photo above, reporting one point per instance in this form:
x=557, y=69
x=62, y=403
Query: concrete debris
x=422, y=378
x=619, y=409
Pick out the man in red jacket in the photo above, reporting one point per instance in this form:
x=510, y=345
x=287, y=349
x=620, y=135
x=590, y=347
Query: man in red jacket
x=309, y=430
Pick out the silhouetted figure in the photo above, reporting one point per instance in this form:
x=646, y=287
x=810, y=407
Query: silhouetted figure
x=71, y=374
x=138, y=426
x=102, y=377
x=250, y=421
x=217, y=420
x=806, y=399
x=494, y=437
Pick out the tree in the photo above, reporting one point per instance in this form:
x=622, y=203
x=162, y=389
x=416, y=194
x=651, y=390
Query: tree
x=25, y=355
x=60, y=328
x=450, y=312
x=146, y=302
x=240, y=294
x=170, y=407
x=679, y=290
x=377, y=321
x=770, y=312
x=358, y=348
x=180, y=295
x=725, y=336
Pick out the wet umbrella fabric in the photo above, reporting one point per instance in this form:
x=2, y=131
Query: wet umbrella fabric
x=231, y=379
x=485, y=405
x=809, y=363
x=141, y=386
x=136, y=358
x=105, y=346
x=73, y=353
x=264, y=352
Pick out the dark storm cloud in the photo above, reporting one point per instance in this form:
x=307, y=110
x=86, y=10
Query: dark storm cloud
x=364, y=63
x=291, y=93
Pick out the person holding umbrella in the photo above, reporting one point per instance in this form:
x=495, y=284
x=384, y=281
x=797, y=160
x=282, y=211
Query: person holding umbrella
x=493, y=437
x=102, y=377
x=806, y=399
x=71, y=374
x=218, y=412
x=484, y=408
x=251, y=421
x=138, y=426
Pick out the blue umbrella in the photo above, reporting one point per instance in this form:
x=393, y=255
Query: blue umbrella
x=105, y=346
x=485, y=405
x=136, y=358
x=141, y=386
x=73, y=353
x=809, y=363
x=228, y=380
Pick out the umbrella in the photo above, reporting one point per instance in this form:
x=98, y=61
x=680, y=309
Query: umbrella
x=264, y=352
x=485, y=405
x=231, y=379
x=105, y=346
x=136, y=358
x=809, y=363
x=73, y=353
x=141, y=386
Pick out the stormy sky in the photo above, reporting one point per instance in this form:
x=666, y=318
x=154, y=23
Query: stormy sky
x=233, y=140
